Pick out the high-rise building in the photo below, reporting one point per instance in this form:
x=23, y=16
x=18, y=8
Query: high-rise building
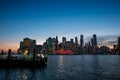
x=94, y=40
x=81, y=41
x=53, y=45
x=57, y=39
x=81, y=44
x=56, y=43
x=63, y=39
x=27, y=46
x=76, y=46
x=76, y=42
x=71, y=40
x=49, y=44
x=94, y=44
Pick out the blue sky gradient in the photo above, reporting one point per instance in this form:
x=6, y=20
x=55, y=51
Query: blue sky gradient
x=39, y=19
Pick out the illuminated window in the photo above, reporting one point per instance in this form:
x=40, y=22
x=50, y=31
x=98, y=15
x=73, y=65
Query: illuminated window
x=26, y=52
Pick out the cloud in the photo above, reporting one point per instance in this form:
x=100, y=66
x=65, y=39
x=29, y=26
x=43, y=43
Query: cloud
x=105, y=40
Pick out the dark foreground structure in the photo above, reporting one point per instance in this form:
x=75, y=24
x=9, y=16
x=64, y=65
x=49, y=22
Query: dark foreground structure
x=21, y=64
x=21, y=61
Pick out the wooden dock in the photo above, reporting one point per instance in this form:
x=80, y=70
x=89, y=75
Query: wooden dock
x=20, y=64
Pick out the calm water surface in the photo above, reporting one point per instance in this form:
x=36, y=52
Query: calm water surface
x=69, y=67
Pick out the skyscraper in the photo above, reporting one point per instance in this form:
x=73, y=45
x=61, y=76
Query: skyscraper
x=56, y=42
x=94, y=43
x=76, y=42
x=53, y=45
x=94, y=40
x=63, y=39
x=81, y=41
x=49, y=44
x=71, y=40
x=57, y=39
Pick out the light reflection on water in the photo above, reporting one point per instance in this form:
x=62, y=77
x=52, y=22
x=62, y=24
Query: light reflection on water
x=69, y=67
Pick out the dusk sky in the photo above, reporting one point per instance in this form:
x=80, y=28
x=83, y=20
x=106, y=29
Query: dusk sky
x=40, y=19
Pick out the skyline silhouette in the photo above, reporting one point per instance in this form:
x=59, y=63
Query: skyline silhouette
x=39, y=19
x=108, y=41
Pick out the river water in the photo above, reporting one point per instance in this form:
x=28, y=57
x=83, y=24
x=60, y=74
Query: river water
x=69, y=67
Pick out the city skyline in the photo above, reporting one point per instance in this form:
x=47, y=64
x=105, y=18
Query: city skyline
x=69, y=18
x=108, y=41
x=72, y=46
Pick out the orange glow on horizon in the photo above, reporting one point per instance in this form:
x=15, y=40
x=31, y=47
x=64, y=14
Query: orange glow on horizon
x=6, y=46
x=111, y=47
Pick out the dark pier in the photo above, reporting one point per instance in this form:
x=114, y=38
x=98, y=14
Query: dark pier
x=13, y=62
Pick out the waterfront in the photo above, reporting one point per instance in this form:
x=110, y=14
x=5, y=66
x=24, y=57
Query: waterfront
x=69, y=67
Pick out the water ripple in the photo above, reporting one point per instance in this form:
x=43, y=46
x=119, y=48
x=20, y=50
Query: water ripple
x=70, y=67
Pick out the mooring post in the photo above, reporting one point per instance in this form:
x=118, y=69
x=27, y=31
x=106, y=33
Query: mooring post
x=2, y=52
x=9, y=54
x=34, y=54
